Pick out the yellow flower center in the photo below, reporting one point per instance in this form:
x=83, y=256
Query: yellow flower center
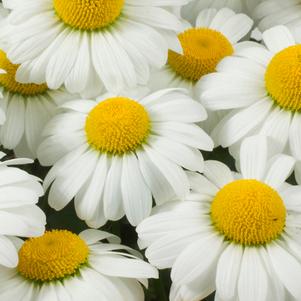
x=88, y=14
x=117, y=125
x=283, y=78
x=7, y=80
x=248, y=212
x=203, y=49
x=53, y=256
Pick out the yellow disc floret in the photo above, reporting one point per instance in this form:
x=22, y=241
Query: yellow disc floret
x=7, y=80
x=203, y=49
x=117, y=125
x=283, y=78
x=55, y=255
x=88, y=14
x=248, y=212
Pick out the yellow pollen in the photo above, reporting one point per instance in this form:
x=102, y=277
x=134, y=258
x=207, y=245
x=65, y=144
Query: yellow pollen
x=283, y=78
x=203, y=49
x=7, y=80
x=88, y=14
x=55, y=255
x=117, y=126
x=248, y=212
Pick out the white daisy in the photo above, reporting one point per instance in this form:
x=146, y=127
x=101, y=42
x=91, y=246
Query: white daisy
x=89, y=43
x=213, y=37
x=62, y=266
x=192, y=9
x=262, y=87
x=27, y=107
x=19, y=215
x=115, y=153
x=278, y=12
x=238, y=234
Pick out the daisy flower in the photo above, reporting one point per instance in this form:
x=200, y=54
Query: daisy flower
x=115, y=153
x=191, y=10
x=61, y=265
x=276, y=12
x=261, y=87
x=90, y=42
x=237, y=233
x=219, y=31
x=19, y=194
x=213, y=37
x=27, y=107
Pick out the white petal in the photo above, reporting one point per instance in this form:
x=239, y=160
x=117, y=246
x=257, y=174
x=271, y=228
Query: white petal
x=295, y=136
x=13, y=129
x=205, y=17
x=287, y=268
x=8, y=253
x=277, y=126
x=221, y=17
x=253, y=157
x=253, y=280
x=173, y=111
x=191, y=264
x=63, y=59
x=112, y=198
x=173, y=173
x=89, y=198
x=92, y=236
x=66, y=186
x=278, y=38
x=243, y=122
x=189, y=134
x=200, y=184
x=236, y=27
x=118, y=266
x=218, y=173
x=280, y=169
x=137, y=199
x=228, y=269
x=153, y=16
x=158, y=184
x=180, y=154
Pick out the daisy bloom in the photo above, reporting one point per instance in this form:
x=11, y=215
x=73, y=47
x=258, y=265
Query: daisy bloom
x=64, y=266
x=261, y=87
x=214, y=37
x=237, y=233
x=191, y=10
x=19, y=215
x=277, y=12
x=202, y=47
x=115, y=153
x=81, y=44
x=27, y=107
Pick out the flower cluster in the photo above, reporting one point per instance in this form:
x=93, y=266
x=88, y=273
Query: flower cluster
x=173, y=124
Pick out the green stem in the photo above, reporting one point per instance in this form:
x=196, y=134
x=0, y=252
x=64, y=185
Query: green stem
x=160, y=289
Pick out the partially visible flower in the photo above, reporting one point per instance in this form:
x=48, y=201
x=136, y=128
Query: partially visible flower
x=62, y=266
x=260, y=86
x=116, y=153
x=236, y=233
x=215, y=36
x=27, y=108
x=89, y=44
x=19, y=214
